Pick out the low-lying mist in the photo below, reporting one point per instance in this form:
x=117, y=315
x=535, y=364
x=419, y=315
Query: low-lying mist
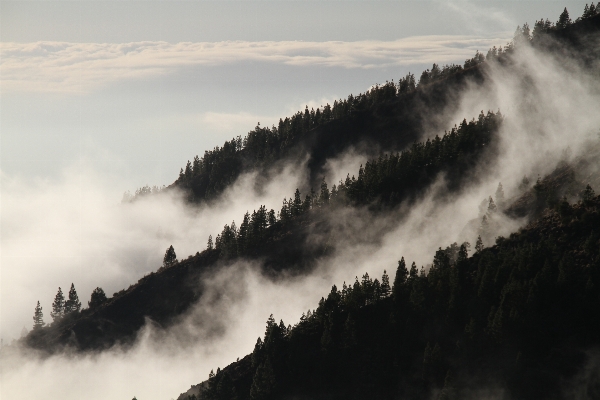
x=75, y=232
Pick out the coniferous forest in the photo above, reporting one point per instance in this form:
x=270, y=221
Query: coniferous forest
x=502, y=315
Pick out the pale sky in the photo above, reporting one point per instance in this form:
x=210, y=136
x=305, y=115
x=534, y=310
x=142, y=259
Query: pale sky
x=136, y=88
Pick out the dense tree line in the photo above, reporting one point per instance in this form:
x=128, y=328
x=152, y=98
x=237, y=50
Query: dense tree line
x=385, y=181
x=206, y=177
x=517, y=316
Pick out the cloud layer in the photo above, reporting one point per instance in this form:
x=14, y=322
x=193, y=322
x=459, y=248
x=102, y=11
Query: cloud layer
x=83, y=67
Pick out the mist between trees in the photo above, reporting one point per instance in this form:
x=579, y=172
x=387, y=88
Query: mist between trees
x=406, y=203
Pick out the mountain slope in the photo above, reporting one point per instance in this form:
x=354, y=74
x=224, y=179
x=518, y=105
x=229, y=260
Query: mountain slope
x=286, y=243
x=382, y=118
x=515, y=320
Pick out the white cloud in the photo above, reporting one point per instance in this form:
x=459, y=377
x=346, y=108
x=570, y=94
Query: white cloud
x=82, y=67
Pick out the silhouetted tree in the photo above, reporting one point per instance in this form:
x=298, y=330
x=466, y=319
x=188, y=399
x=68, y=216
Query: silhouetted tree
x=400, y=278
x=587, y=194
x=38, y=317
x=479, y=244
x=58, y=306
x=385, y=285
x=72, y=304
x=97, y=299
x=541, y=27
x=491, y=208
x=170, y=257
x=563, y=20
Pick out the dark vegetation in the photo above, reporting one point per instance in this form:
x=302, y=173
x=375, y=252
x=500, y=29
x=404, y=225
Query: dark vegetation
x=281, y=241
x=518, y=316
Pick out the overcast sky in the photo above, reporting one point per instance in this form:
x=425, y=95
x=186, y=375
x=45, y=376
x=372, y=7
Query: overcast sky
x=135, y=89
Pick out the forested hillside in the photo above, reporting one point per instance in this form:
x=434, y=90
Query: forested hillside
x=388, y=117
x=278, y=239
x=516, y=319
x=513, y=320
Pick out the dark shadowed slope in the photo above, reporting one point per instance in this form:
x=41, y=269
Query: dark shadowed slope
x=516, y=320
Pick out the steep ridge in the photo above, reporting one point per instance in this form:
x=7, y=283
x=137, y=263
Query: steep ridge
x=516, y=320
x=379, y=120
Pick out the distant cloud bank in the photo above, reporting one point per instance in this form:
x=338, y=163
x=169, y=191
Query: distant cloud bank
x=84, y=67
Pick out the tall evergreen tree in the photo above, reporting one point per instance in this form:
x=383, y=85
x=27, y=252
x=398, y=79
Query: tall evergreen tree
x=385, y=285
x=400, y=278
x=271, y=219
x=564, y=20
x=587, y=194
x=38, y=317
x=58, y=306
x=413, y=271
x=170, y=257
x=479, y=245
x=72, y=304
x=97, y=299
x=209, y=245
x=297, y=204
x=586, y=11
x=491, y=208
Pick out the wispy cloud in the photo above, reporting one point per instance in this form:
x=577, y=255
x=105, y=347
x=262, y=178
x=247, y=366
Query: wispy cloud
x=83, y=67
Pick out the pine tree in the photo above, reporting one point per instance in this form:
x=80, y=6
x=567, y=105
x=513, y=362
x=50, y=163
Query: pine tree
x=491, y=208
x=271, y=219
x=209, y=245
x=563, y=20
x=257, y=354
x=400, y=278
x=586, y=11
x=297, y=204
x=385, y=285
x=170, y=257
x=38, y=317
x=479, y=245
x=541, y=27
x=413, y=271
x=58, y=306
x=324, y=196
x=97, y=299
x=463, y=252
x=73, y=304
x=587, y=194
